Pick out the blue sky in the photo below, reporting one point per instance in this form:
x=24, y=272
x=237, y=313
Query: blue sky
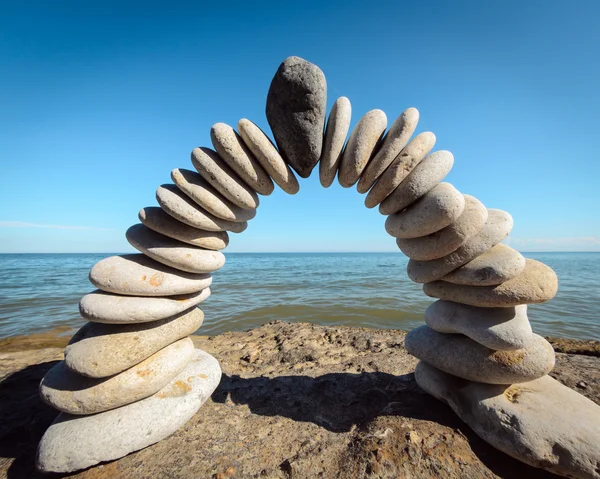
x=100, y=100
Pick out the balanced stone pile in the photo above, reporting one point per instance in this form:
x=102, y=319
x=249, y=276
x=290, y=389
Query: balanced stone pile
x=131, y=377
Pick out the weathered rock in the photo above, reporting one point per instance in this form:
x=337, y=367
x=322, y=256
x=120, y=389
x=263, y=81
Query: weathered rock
x=497, y=265
x=422, y=179
x=461, y=356
x=494, y=328
x=100, y=350
x=138, y=275
x=76, y=442
x=400, y=168
x=231, y=148
x=156, y=219
x=214, y=170
x=536, y=284
x=395, y=140
x=541, y=422
x=362, y=143
x=172, y=252
x=336, y=132
x=265, y=152
x=432, y=212
x=496, y=228
x=449, y=239
x=70, y=392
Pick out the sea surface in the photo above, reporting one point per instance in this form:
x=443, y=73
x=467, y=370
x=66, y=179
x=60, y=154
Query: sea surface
x=40, y=292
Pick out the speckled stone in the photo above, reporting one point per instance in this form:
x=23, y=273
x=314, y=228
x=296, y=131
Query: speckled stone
x=338, y=125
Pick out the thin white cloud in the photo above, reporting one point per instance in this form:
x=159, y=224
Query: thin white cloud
x=580, y=243
x=24, y=224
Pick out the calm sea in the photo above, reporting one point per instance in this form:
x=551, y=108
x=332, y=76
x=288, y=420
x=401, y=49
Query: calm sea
x=41, y=291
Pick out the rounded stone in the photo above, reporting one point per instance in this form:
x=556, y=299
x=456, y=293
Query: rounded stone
x=494, y=328
x=216, y=172
x=265, y=152
x=200, y=192
x=496, y=228
x=536, y=284
x=434, y=211
x=362, y=143
x=157, y=220
x=338, y=125
x=461, y=356
x=400, y=168
x=179, y=206
x=422, y=179
x=77, y=442
x=100, y=350
x=450, y=238
x=70, y=392
x=231, y=148
x=138, y=275
x=497, y=265
x=174, y=253
x=395, y=140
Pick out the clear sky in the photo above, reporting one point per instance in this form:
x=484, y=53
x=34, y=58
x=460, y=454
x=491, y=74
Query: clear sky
x=100, y=100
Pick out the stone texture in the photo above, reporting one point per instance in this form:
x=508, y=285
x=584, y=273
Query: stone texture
x=296, y=108
x=449, y=239
x=395, y=140
x=70, y=392
x=496, y=228
x=265, y=152
x=422, y=179
x=101, y=307
x=172, y=252
x=495, y=266
x=338, y=125
x=100, y=350
x=494, y=328
x=216, y=172
x=77, y=442
x=541, y=422
x=400, y=168
x=231, y=148
x=157, y=220
x=362, y=144
x=138, y=275
x=432, y=212
x=461, y=356
x=536, y=284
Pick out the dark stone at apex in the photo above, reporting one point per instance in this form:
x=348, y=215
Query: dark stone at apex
x=296, y=107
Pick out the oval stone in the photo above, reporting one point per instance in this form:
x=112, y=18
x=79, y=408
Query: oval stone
x=338, y=125
x=138, y=275
x=70, y=392
x=172, y=252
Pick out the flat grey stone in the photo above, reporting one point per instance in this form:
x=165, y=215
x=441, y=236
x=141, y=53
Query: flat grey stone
x=157, y=220
x=461, y=356
x=449, y=239
x=296, y=108
x=77, y=442
x=422, y=179
x=70, y=392
x=494, y=328
x=362, y=143
x=216, y=172
x=172, y=252
x=496, y=228
x=138, y=275
x=99, y=350
x=338, y=125
x=536, y=284
x=395, y=140
x=435, y=210
x=542, y=422
x=267, y=155
x=400, y=168
x=231, y=148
